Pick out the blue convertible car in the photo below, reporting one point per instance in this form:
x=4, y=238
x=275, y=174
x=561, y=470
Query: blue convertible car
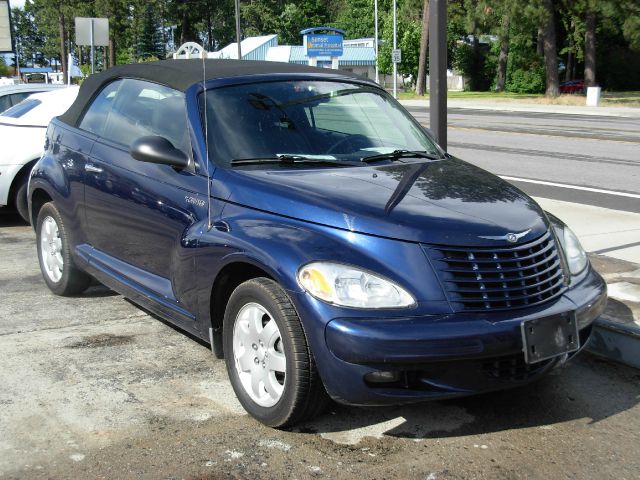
x=303, y=223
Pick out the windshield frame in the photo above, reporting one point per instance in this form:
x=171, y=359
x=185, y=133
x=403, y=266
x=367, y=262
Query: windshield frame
x=194, y=95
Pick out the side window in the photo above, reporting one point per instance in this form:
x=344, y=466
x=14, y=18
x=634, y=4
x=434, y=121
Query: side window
x=95, y=118
x=22, y=108
x=5, y=102
x=18, y=97
x=144, y=108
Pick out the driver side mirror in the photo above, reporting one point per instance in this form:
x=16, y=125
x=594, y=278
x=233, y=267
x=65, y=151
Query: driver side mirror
x=158, y=150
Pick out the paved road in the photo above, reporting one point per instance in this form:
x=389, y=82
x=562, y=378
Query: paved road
x=93, y=387
x=583, y=151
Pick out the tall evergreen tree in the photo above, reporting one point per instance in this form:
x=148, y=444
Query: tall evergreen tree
x=149, y=42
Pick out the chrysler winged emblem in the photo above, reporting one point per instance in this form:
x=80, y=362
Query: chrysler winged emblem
x=509, y=237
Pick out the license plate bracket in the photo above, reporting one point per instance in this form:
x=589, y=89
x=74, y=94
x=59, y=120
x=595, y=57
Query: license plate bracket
x=547, y=337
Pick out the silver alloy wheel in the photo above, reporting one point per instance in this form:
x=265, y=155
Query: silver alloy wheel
x=51, y=249
x=259, y=355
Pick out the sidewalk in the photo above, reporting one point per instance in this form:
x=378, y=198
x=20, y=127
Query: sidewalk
x=511, y=106
x=613, y=239
x=601, y=230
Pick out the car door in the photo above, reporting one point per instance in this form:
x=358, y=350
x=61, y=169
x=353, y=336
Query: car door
x=137, y=213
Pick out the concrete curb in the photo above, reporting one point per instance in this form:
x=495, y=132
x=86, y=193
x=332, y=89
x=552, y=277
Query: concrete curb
x=624, y=112
x=616, y=334
x=615, y=341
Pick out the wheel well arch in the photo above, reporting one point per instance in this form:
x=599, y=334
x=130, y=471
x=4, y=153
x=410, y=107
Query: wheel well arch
x=38, y=198
x=227, y=280
x=24, y=171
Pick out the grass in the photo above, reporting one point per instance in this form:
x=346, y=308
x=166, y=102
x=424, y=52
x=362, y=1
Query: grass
x=608, y=99
x=473, y=95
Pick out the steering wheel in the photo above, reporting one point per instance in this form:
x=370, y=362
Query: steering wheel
x=354, y=140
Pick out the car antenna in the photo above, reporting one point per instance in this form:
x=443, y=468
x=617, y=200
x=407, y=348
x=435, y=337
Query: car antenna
x=206, y=139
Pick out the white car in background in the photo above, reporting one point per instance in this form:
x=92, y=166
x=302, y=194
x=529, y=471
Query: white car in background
x=22, y=136
x=11, y=94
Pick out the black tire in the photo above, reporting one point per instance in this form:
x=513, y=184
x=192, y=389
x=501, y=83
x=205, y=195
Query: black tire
x=20, y=199
x=71, y=281
x=304, y=396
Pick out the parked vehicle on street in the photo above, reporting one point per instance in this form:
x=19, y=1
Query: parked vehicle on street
x=11, y=95
x=22, y=136
x=303, y=223
x=572, y=86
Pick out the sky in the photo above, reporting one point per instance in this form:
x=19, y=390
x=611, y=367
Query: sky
x=16, y=3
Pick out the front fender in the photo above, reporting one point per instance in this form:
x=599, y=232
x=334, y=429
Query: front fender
x=281, y=245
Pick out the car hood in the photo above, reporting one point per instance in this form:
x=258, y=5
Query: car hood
x=446, y=202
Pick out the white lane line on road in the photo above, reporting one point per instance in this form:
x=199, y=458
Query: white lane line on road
x=572, y=187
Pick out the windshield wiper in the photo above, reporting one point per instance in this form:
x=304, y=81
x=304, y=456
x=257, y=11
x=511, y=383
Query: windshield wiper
x=292, y=160
x=397, y=154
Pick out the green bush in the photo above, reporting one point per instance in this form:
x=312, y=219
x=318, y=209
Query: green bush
x=4, y=70
x=531, y=80
x=476, y=65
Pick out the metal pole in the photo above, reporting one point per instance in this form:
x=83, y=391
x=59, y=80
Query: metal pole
x=18, y=61
x=438, y=70
x=395, y=46
x=238, y=29
x=375, y=41
x=92, y=61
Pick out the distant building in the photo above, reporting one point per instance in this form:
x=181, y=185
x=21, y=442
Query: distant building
x=253, y=48
x=358, y=54
x=359, y=60
x=360, y=42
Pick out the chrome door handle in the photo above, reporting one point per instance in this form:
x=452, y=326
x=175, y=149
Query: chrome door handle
x=92, y=168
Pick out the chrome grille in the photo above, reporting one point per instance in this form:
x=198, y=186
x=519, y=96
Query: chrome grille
x=481, y=279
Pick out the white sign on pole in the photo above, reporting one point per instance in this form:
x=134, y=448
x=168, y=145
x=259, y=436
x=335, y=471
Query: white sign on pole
x=100, y=28
x=93, y=32
x=396, y=56
x=6, y=37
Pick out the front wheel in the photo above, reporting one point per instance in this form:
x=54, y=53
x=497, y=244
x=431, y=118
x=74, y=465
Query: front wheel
x=268, y=359
x=59, y=272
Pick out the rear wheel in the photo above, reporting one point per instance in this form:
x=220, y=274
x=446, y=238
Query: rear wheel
x=59, y=272
x=268, y=359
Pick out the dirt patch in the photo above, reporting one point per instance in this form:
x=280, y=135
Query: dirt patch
x=102, y=340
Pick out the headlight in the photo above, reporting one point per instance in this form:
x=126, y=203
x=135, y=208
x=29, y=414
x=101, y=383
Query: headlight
x=351, y=287
x=573, y=251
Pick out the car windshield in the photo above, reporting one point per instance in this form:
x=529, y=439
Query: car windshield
x=20, y=109
x=310, y=121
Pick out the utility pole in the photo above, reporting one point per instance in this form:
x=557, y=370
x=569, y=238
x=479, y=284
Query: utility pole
x=395, y=46
x=92, y=53
x=438, y=70
x=238, y=29
x=18, y=60
x=375, y=40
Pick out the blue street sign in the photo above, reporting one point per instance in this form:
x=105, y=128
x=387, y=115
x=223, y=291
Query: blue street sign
x=323, y=45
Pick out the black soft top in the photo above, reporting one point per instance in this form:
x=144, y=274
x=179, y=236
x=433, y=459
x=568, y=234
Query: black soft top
x=181, y=74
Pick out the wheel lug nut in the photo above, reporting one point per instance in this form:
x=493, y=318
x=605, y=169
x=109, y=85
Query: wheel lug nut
x=256, y=361
x=254, y=346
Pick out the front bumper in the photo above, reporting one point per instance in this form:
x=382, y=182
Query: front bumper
x=445, y=355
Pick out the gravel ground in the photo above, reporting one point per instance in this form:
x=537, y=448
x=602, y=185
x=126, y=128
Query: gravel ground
x=93, y=387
